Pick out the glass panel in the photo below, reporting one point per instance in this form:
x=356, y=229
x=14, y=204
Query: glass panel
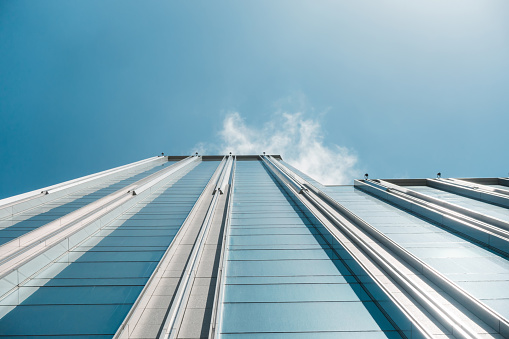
x=90, y=290
x=282, y=276
x=476, y=205
x=466, y=263
x=27, y=221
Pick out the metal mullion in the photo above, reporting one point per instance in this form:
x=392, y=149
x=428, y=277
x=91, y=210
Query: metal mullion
x=25, y=197
x=468, y=191
x=215, y=323
x=497, y=233
x=443, y=313
x=132, y=318
x=176, y=313
x=478, y=308
x=451, y=206
x=93, y=230
x=478, y=186
x=31, y=245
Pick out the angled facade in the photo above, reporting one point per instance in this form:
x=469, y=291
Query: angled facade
x=246, y=246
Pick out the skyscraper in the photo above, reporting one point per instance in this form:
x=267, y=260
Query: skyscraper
x=249, y=247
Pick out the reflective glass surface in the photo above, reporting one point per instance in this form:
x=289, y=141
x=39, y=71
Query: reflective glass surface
x=19, y=224
x=90, y=291
x=481, y=272
x=282, y=278
x=475, y=205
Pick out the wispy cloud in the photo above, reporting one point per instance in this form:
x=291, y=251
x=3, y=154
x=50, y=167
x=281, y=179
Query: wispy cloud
x=299, y=140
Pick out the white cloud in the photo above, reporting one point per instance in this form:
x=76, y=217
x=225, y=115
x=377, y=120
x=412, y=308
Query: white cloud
x=200, y=148
x=297, y=139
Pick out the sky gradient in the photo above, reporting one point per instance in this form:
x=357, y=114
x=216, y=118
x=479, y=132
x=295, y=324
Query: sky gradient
x=408, y=87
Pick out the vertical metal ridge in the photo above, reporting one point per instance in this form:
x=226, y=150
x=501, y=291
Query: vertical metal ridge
x=298, y=194
x=22, y=250
x=132, y=318
x=221, y=275
x=225, y=176
x=490, y=232
x=91, y=212
x=176, y=313
x=146, y=183
x=451, y=206
x=470, y=192
x=477, y=186
x=478, y=308
x=49, y=193
x=328, y=207
x=131, y=322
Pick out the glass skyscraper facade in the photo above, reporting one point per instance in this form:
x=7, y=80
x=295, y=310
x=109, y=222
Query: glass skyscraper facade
x=247, y=246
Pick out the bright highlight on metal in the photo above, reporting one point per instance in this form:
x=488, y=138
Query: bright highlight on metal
x=241, y=246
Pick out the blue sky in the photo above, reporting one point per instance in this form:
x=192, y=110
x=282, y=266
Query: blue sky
x=408, y=88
